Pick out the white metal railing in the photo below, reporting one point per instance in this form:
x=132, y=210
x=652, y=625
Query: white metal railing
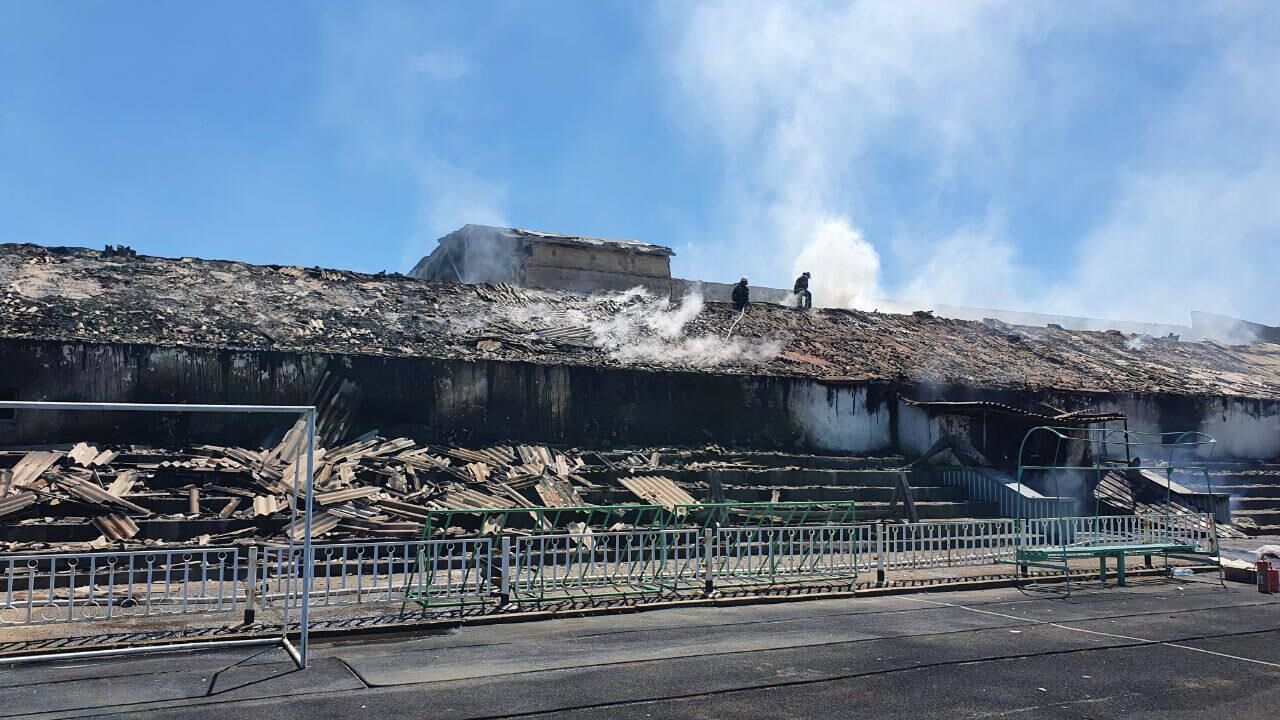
x=947, y=543
x=1195, y=530
x=602, y=563
x=775, y=555
x=75, y=587
x=389, y=572
x=70, y=587
x=986, y=485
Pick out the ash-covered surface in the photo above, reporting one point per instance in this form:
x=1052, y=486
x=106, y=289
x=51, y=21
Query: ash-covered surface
x=90, y=296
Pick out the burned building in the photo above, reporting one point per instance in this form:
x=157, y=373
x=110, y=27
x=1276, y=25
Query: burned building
x=491, y=362
x=436, y=361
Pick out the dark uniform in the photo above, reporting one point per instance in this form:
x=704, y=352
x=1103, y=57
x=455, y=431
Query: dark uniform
x=802, y=289
x=741, y=295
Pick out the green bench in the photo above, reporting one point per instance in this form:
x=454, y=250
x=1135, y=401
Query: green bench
x=1055, y=558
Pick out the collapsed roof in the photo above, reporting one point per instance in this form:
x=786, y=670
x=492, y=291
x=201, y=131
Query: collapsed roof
x=81, y=295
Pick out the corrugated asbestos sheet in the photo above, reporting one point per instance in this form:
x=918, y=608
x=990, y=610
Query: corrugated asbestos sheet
x=971, y=407
x=16, y=502
x=338, y=496
x=555, y=492
x=115, y=526
x=32, y=466
x=89, y=492
x=657, y=490
x=460, y=498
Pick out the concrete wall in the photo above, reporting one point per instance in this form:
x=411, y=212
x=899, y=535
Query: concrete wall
x=597, y=259
x=590, y=281
x=841, y=419
x=1243, y=428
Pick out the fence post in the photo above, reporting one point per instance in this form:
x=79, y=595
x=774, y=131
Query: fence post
x=1024, y=540
x=708, y=557
x=504, y=592
x=251, y=585
x=880, y=565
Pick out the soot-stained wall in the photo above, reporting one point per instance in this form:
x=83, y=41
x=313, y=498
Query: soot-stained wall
x=444, y=400
x=487, y=401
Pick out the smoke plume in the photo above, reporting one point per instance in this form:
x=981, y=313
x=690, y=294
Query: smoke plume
x=645, y=329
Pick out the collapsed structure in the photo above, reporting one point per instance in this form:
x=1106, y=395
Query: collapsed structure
x=437, y=368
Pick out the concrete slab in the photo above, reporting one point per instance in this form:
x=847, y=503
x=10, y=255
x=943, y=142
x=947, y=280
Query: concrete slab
x=232, y=682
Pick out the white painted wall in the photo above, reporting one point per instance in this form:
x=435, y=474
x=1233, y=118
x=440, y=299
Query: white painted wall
x=837, y=419
x=1244, y=429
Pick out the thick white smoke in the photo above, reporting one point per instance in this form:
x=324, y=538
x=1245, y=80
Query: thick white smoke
x=844, y=267
x=645, y=329
x=634, y=326
x=819, y=106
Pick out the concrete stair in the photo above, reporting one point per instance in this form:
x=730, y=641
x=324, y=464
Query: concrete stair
x=1254, y=488
x=869, y=482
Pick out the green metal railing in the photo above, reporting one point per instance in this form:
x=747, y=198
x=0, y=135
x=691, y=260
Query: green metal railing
x=600, y=518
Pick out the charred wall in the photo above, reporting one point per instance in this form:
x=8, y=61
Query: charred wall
x=478, y=402
x=429, y=399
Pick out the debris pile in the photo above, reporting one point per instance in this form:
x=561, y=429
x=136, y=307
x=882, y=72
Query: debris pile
x=369, y=487
x=1126, y=493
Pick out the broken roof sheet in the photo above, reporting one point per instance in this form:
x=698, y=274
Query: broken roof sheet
x=76, y=295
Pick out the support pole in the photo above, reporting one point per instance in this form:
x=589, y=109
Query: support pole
x=708, y=564
x=308, y=568
x=880, y=568
x=251, y=587
x=504, y=594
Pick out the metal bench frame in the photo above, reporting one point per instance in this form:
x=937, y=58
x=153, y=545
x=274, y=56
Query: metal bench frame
x=1058, y=557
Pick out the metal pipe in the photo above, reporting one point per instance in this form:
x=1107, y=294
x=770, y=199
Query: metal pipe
x=193, y=501
x=142, y=650
x=308, y=567
x=292, y=652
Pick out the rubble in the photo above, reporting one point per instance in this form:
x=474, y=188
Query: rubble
x=369, y=487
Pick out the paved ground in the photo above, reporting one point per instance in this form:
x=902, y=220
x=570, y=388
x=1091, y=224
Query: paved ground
x=1155, y=649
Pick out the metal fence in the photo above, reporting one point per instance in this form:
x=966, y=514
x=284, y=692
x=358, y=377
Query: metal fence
x=783, y=555
x=416, y=574
x=389, y=572
x=988, y=486
x=947, y=543
x=1196, y=530
x=631, y=562
x=69, y=587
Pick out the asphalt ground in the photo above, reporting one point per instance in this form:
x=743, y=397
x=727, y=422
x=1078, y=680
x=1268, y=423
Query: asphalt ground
x=1155, y=649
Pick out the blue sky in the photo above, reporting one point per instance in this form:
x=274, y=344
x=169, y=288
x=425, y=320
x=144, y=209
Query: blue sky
x=1115, y=159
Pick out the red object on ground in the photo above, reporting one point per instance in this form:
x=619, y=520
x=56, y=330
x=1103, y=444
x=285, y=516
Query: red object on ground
x=1268, y=577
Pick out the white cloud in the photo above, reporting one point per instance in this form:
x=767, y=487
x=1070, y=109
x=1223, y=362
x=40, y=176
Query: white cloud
x=1197, y=226
x=798, y=95
x=803, y=98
